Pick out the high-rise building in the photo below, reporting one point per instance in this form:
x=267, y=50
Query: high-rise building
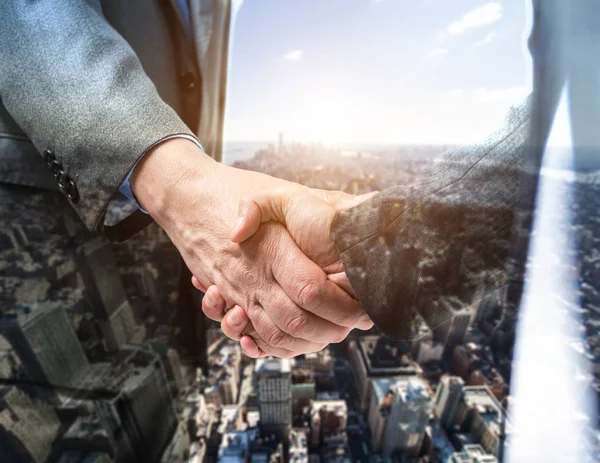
x=85, y=433
x=448, y=398
x=379, y=357
x=486, y=419
x=140, y=399
x=328, y=419
x=105, y=290
x=298, y=452
x=429, y=351
x=45, y=341
x=234, y=447
x=274, y=394
x=409, y=414
x=303, y=388
x=27, y=427
x=173, y=364
x=452, y=332
x=379, y=409
x=488, y=307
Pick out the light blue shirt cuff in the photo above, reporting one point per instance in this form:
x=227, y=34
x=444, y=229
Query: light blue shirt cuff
x=125, y=188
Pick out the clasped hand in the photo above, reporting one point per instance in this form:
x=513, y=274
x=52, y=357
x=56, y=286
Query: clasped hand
x=276, y=282
x=308, y=216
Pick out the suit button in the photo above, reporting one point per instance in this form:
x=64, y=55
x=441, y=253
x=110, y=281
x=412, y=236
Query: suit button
x=49, y=157
x=63, y=179
x=72, y=191
x=56, y=167
x=188, y=82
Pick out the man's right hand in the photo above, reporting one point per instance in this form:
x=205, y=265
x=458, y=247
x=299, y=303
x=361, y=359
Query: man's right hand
x=292, y=305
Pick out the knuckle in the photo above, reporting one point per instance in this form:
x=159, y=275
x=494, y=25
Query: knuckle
x=351, y=319
x=277, y=339
x=341, y=335
x=298, y=326
x=309, y=292
x=253, y=309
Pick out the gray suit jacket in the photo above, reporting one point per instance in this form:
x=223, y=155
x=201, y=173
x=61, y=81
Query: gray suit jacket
x=86, y=87
x=417, y=253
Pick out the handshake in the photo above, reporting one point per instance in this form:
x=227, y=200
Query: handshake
x=260, y=248
x=321, y=308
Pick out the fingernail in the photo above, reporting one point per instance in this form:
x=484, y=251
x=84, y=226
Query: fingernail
x=238, y=224
x=236, y=318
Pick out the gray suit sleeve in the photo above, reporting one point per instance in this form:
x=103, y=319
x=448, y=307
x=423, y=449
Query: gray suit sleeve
x=76, y=87
x=417, y=254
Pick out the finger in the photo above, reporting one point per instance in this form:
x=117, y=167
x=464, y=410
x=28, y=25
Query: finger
x=235, y=322
x=231, y=329
x=273, y=336
x=308, y=287
x=250, y=348
x=213, y=304
x=365, y=324
x=342, y=281
x=248, y=222
x=297, y=322
x=199, y=286
x=260, y=208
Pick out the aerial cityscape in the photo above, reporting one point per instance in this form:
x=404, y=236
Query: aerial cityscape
x=105, y=355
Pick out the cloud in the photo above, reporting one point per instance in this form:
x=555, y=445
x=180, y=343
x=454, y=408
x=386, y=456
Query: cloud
x=438, y=52
x=293, y=55
x=499, y=95
x=451, y=94
x=481, y=16
x=487, y=39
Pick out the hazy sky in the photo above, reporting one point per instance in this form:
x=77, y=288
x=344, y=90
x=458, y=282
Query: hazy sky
x=375, y=71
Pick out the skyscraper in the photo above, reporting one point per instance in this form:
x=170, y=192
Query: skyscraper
x=27, y=427
x=379, y=409
x=409, y=414
x=45, y=341
x=141, y=400
x=274, y=394
x=379, y=357
x=103, y=284
x=448, y=398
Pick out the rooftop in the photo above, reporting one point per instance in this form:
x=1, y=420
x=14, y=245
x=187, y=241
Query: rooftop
x=272, y=365
x=234, y=444
x=26, y=314
x=298, y=446
x=483, y=400
x=386, y=357
x=381, y=386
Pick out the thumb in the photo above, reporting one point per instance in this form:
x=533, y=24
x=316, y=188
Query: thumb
x=256, y=210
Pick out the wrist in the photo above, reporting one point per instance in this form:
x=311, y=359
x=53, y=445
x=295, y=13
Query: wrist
x=162, y=171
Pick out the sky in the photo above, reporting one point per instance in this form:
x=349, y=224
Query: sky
x=375, y=71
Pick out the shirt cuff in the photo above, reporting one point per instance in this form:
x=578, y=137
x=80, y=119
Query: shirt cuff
x=125, y=188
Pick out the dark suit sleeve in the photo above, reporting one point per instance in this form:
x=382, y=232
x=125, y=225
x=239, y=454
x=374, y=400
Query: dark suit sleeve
x=416, y=254
x=76, y=87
